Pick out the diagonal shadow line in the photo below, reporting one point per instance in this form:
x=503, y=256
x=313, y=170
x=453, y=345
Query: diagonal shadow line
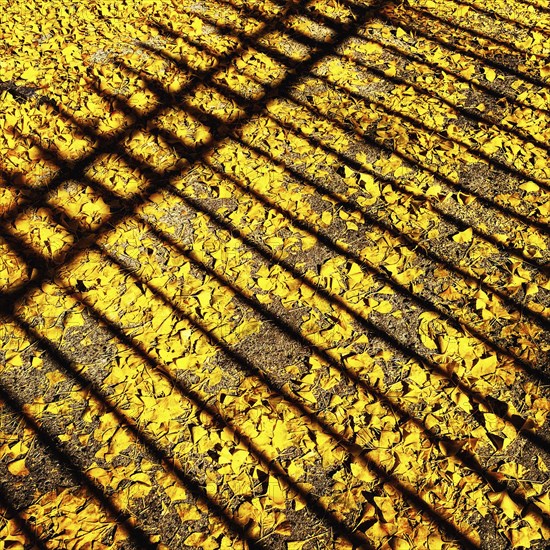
x=421, y=126
x=135, y=533
x=423, y=249
x=468, y=458
x=474, y=397
x=350, y=206
x=420, y=359
x=213, y=121
x=394, y=19
x=467, y=113
x=239, y=359
x=245, y=365
x=150, y=444
x=232, y=94
x=496, y=15
x=544, y=9
x=400, y=288
x=24, y=525
x=158, y=452
x=486, y=37
x=76, y=169
x=369, y=267
x=106, y=143
x=500, y=350
x=417, y=57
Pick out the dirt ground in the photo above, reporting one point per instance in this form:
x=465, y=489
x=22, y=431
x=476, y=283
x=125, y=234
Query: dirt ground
x=274, y=274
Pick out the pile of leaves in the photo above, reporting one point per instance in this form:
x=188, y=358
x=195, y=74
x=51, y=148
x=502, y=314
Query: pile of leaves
x=274, y=274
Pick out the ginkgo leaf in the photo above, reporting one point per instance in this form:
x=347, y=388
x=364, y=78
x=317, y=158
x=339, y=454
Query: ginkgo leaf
x=464, y=236
x=490, y=74
x=31, y=74
x=530, y=187
x=18, y=468
x=247, y=276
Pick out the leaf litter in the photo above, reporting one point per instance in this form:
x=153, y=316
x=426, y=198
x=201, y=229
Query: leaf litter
x=274, y=274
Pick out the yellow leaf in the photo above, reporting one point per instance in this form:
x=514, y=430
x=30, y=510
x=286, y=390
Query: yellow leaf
x=197, y=26
x=141, y=477
x=541, y=465
x=381, y=530
x=276, y=492
x=120, y=441
x=400, y=544
x=505, y=503
x=464, y=236
x=384, y=307
x=460, y=12
x=400, y=33
x=490, y=74
x=522, y=538
x=18, y=468
x=29, y=74
x=530, y=187
x=71, y=52
x=391, y=70
x=362, y=472
x=468, y=73
x=195, y=539
x=375, y=48
x=513, y=470
x=188, y=512
x=326, y=217
x=485, y=366
x=280, y=435
x=197, y=433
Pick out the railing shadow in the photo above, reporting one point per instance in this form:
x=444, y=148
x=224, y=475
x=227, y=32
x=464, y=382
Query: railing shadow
x=466, y=50
x=398, y=115
x=499, y=16
x=148, y=442
x=350, y=205
x=536, y=6
x=10, y=513
x=134, y=532
x=123, y=208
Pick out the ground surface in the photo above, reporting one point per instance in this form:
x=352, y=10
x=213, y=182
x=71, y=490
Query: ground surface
x=274, y=274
